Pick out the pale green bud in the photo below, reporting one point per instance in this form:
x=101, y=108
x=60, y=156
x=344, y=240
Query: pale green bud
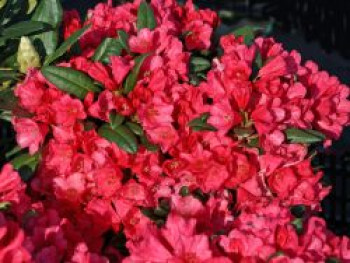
x=27, y=56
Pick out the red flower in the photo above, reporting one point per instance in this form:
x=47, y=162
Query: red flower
x=29, y=133
x=71, y=23
x=198, y=35
x=68, y=110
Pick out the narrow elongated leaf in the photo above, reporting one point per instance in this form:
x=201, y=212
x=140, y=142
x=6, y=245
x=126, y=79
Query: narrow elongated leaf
x=11, y=10
x=8, y=74
x=122, y=136
x=109, y=47
x=131, y=80
x=304, y=136
x=25, y=160
x=69, y=80
x=124, y=40
x=13, y=152
x=200, y=123
x=135, y=128
x=199, y=64
x=66, y=45
x=49, y=11
x=116, y=120
x=145, y=17
x=25, y=28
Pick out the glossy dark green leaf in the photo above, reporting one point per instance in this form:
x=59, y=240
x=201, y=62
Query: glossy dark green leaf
x=109, y=47
x=121, y=135
x=70, y=80
x=25, y=28
x=116, y=120
x=131, y=80
x=6, y=74
x=26, y=159
x=124, y=40
x=145, y=17
x=304, y=136
x=49, y=11
x=199, y=64
x=12, y=10
x=66, y=45
x=135, y=128
x=200, y=123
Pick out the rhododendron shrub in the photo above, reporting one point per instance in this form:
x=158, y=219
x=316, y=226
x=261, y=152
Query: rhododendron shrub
x=156, y=143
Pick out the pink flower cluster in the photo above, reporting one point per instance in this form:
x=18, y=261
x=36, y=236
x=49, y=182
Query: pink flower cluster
x=220, y=193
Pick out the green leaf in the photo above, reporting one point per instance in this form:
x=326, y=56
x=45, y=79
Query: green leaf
x=298, y=225
x=66, y=45
x=109, y=47
x=121, y=135
x=135, y=128
x=70, y=80
x=11, y=11
x=145, y=17
x=247, y=32
x=49, y=11
x=13, y=152
x=116, y=120
x=8, y=74
x=25, y=28
x=131, y=80
x=200, y=123
x=124, y=40
x=148, y=145
x=26, y=159
x=199, y=64
x=304, y=136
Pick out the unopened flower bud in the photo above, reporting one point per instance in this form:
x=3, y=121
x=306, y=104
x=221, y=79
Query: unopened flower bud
x=27, y=56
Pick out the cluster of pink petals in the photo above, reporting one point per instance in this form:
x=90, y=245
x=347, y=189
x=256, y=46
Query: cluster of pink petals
x=221, y=199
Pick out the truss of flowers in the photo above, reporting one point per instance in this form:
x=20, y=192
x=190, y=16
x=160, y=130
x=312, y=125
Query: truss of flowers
x=144, y=138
